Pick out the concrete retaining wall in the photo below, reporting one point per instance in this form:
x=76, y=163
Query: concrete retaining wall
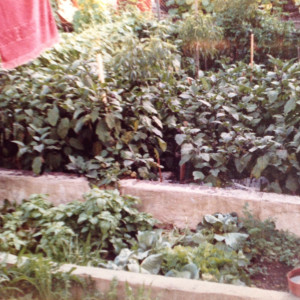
x=61, y=188
x=175, y=204
x=167, y=288
x=185, y=205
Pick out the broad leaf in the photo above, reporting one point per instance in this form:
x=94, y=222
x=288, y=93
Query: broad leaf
x=53, y=116
x=37, y=165
x=75, y=143
x=110, y=120
x=63, y=128
x=102, y=131
x=290, y=105
x=192, y=269
x=198, y=175
x=123, y=258
x=235, y=240
x=292, y=183
x=152, y=263
x=242, y=162
x=147, y=239
x=272, y=95
x=162, y=144
x=179, y=138
x=261, y=163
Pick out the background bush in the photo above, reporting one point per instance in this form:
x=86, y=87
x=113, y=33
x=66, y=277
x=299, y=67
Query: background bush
x=232, y=122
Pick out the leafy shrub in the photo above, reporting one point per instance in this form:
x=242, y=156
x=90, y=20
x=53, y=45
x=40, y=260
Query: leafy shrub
x=201, y=37
x=103, y=224
x=241, y=18
x=140, y=61
x=237, y=20
x=276, y=38
x=269, y=244
x=241, y=126
x=235, y=123
x=39, y=278
x=63, y=119
x=91, y=13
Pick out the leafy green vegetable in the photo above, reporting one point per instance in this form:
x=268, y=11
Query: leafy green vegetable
x=104, y=222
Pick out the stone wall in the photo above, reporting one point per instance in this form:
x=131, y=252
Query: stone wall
x=61, y=188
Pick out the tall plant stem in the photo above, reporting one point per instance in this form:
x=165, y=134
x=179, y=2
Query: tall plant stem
x=197, y=61
x=101, y=74
x=251, y=50
x=251, y=53
x=196, y=54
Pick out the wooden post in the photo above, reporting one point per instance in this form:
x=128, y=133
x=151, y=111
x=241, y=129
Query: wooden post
x=196, y=59
x=101, y=74
x=196, y=54
x=182, y=173
x=196, y=8
x=251, y=53
x=157, y=3
x=251, y=50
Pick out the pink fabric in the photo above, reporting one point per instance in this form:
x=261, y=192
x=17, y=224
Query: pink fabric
x=27, y=27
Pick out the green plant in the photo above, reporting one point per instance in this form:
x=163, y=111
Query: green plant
x=91, y=13
x=142, y=293
x=266, y=243
x=143, y=60
x=235, y=127
x=213, y=263
x=106, y=231
x=189, y=255
x=200, y=36
x=37, y=278
x=279, y=39
x=104, y=224
x=241, y=18
x=53, y=116
x=63, y=123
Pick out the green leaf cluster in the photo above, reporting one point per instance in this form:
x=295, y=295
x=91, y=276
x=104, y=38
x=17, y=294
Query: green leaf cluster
x=103, y=224
x=243, y=123
x=234, y=123
x=101, y=130
x=107, y=231
x=37, y=278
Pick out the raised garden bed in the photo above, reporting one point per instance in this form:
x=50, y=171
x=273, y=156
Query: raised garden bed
x=261, y=280
x=165, y=288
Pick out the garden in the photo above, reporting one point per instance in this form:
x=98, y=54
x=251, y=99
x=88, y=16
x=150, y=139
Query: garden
x=107, y=231
x=177, y=95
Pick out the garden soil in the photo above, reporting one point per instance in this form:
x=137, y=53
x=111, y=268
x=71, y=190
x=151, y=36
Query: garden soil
x=273, y=276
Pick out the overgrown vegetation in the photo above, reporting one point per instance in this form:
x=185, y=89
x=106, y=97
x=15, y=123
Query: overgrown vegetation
x=154, y=110
x=233, y=122
x=106, y=231
x=37, y=278
x=100, y=226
